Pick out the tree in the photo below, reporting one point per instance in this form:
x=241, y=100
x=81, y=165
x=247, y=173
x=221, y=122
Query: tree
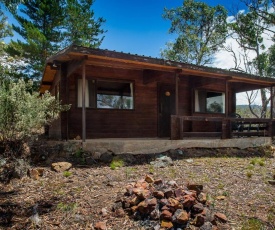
x=39, y=26
x=248, y=30
x=5, y=31
x=81, y=27
x=201, y=31
x=46, y=26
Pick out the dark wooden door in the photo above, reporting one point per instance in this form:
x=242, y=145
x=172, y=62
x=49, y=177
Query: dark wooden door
x=166, y=108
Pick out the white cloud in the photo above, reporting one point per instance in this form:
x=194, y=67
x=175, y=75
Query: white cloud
x=223, y=59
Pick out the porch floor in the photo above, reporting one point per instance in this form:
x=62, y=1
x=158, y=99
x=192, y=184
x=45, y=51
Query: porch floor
x=157, y=145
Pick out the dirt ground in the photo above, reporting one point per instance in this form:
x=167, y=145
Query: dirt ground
x=236, y=185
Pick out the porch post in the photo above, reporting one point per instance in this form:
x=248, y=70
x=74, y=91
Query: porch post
x=226, y=98
x=177, y=93
x=83, y=102
x=271, y=101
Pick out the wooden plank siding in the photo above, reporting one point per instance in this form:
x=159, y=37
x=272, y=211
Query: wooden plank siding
x=102, y=123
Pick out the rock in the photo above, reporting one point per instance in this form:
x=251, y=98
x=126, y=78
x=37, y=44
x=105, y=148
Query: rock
x=196, y=187
x=119, y=212
x=220, y=217
x=96, y=155
x=158, y=194
x=61, y=166
x=272, y=182
x=166, y=224
x=179, y=151
x=162, y=162
x=202, y=198
x=155, y=214
x=178, y=192
x=189, y=201
x=158, y=182
x=172, y=183
x=173, y=203
x=166, y=215
x=107, y=157
x=152, y=202
x=149, y=179
x=197, y=208
x=199, y=220
x=180, y=217
x=100, y=226
x=143, y=207
x=104, y=212
x=35, y=173
x=168, y=192
x=220, y=197
x=189, y=160
x=19, y=168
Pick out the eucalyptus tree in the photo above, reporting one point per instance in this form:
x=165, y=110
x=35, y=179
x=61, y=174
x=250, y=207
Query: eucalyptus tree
x=201, y=31
x=249, y=30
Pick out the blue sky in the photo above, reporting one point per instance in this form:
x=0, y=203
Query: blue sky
x=137, y=27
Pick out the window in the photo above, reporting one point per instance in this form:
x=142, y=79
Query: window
x=106, y=94
x=209, y=102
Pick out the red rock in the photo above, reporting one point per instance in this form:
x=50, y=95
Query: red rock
x=173, y=203
x=145, y=185
x=168, y=193
x=149, y=179
x=165, y=208
x=143, y=207
x=189, y=201
x=166, y=224
x=181, y=216
x=197, y=187
x=134, y=208
x=129, y=189
x=158, y=194
x=166, y=215
x=220, y=217
x=198, y=208
x=158, y=182
x=134, y=201
x=199, y=220
x=100, y=226
x=152, y=202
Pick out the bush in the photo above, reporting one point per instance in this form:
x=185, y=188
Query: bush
x=23, y=114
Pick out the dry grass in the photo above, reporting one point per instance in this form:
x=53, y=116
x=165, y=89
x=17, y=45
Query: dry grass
x=75, y=202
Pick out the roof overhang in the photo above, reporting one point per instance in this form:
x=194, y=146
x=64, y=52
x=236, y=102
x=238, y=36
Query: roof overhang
x=106, y=58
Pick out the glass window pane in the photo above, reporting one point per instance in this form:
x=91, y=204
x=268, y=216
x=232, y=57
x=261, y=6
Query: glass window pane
x=114, y=95
x=209, y=102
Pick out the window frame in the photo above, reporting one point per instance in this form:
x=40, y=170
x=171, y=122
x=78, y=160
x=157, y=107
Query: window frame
x=205, y=108
x=130, y=82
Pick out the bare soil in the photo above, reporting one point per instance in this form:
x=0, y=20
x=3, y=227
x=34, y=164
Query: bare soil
x=236, y=186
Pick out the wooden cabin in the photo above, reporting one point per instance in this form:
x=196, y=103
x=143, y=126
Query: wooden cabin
x=119, y=95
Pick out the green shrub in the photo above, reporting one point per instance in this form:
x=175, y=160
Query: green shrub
x=116, y=163
x=24, y=113
x=67, y=173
